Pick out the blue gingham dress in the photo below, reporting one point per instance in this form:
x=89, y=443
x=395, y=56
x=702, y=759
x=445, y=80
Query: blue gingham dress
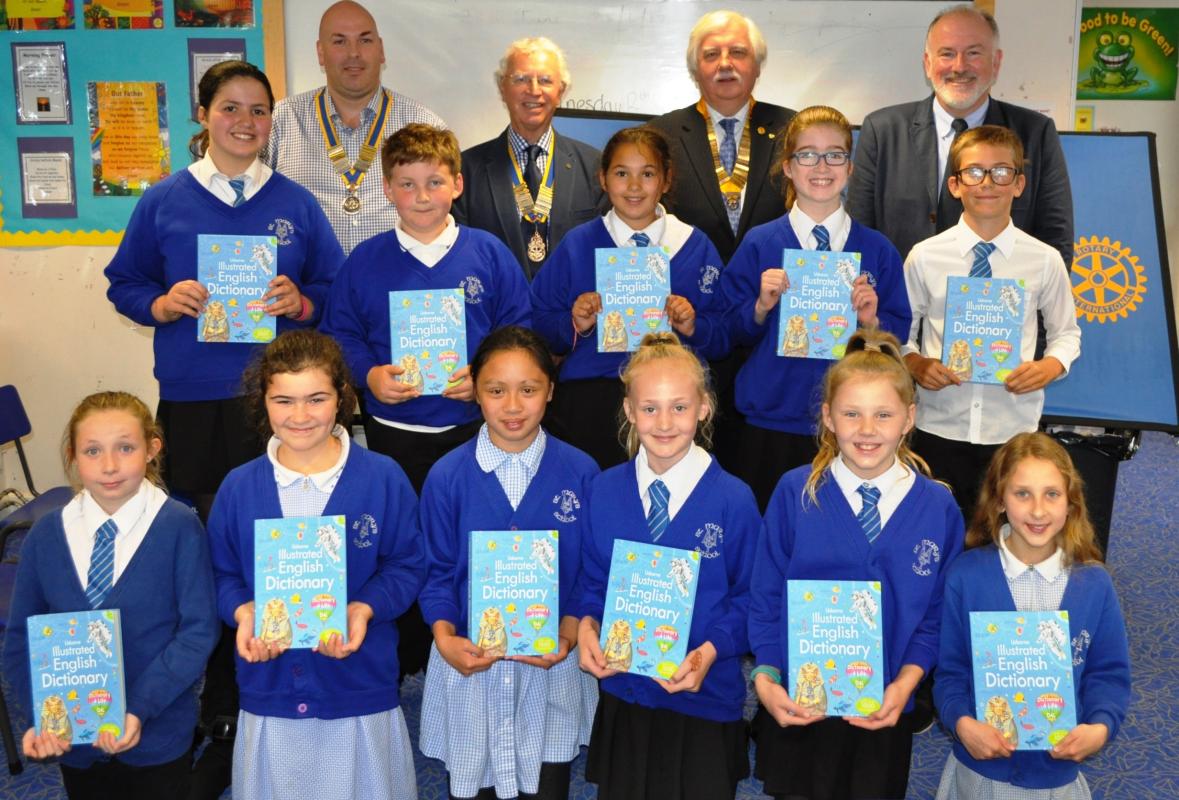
x=275, y=758
x=495, y=728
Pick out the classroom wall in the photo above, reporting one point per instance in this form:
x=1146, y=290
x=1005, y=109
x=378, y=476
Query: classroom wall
x=60, y=338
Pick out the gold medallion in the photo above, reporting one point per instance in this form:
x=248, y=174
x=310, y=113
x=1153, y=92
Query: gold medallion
x=351, y=204
x=536, y=247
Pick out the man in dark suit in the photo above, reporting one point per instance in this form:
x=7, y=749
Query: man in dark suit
x=723, y=184
x=898, y=184
x=529, y=186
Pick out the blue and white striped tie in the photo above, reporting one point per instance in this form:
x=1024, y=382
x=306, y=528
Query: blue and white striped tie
x=869, y=515
x=657, y=518
x=982, y=260
x=239, y=190
x=641, y=239
x=821, y=236
x=101, y=575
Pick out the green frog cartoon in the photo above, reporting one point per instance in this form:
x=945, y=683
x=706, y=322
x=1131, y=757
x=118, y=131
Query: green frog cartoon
x=1113, y=55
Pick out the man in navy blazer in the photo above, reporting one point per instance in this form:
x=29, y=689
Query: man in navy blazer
x=897, y=186
x=725, y=55
x=532, y=78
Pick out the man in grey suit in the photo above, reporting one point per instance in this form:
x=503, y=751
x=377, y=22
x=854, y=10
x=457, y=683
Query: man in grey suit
x=723, y=146
x=529, y=186
x=898, y=184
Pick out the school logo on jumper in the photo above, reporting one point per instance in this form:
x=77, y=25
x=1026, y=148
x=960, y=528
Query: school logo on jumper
x=1081, y=647
x=566, y=503
x=710, y=536
x=709, y=275
x=473, y=289
x=928, y=554
x=871, y=278
x=364, y=530
x=282, y=230
x=1108, y=281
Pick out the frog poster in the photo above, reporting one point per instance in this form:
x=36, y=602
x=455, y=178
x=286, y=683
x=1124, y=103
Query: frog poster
x=1127, y=54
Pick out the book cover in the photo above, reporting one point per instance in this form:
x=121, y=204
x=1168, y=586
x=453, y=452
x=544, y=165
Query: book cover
x=514, y=607
x=1023, y=675
x=634, y=283
x=650, y=597
x=300, y=580
x=983, y=328
x=236, y=271
x=836, y=646
x=76, y=666
x=428, y=332
x=815, y=317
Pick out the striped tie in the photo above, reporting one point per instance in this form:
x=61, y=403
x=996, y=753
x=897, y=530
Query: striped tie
x=869, y=515
x=641, y=239
x=101, y=574
x=657, y=518
x=982, y=260
x=239, y=189
x=822, y=237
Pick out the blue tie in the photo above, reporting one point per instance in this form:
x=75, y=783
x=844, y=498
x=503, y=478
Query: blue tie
x=869, y=515
x=101, y=575
x=728, y=145
x=640, y=239
x=239, y=189
x=982, y=260
x=820, y=234
x=657, y=518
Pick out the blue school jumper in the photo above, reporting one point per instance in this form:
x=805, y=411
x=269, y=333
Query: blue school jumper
x=159, y=249
x=1101, y=660
x=570, y=272
x=722, y=594
x=779, y=393
x=169, y=618
x=825, y=542
x=384, y=570
x=358, y=310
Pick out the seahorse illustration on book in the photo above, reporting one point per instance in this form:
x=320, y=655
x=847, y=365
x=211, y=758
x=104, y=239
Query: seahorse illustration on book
x=328, y=538
x=864, y=604
x=809, y=691
x=1052, y=636
x=618, y=650
x=99, y=635
x=493, y=639
x=544, y=554
x=276, y=623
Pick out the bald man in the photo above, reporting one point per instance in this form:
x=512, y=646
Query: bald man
x=353, y=112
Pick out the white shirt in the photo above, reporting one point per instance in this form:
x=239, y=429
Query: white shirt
x=207, y=175
x=838, y=226
x=942, y=123
x=894, y=484
x=666, y=231
x=429, y=254
x=1049, y=569
x=975, y=412
x=715, y=117
x=680, y=479
x=82, y=517
x=324, y=481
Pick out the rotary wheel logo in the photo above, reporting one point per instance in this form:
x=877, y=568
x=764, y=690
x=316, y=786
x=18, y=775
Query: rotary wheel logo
x=1108, y=281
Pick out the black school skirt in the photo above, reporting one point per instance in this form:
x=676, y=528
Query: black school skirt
x=204, y=440
x=831, y=760
x=640, y=753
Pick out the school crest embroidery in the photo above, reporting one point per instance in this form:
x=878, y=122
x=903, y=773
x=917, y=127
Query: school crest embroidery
x=473, y=289
x=928, y=554
x=567, y=504
x=1081, y=647
x=710, y=536
x=871, y=278
x=282, y=230
x=709, y=275
x=364, y=531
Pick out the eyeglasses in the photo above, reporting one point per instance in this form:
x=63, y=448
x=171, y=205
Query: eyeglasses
x=544, y=81
x=1000, y=176
x=834, y=158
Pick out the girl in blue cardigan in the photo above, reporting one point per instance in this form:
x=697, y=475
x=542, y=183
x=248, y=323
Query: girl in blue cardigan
x=315, y=720
x=778, y=395
x=160, y=580
x=683, y=738
x=864, y=510
x=1035, y=552
x=636, y=171
x=504, y=726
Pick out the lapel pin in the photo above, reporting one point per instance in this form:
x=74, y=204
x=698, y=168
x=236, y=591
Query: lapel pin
x=761, y=129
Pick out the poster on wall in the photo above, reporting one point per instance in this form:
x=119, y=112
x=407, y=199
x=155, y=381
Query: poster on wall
x=1127, y=54
x=123, y=14
x=47, y=177
x=41, y=84
x=214, y=13
x=36, y=15
x=204, y=53
x=128, y=136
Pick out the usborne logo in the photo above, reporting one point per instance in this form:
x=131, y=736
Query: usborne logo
x=1108, y=281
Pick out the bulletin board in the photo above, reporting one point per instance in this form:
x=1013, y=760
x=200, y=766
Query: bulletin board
x=122, y=61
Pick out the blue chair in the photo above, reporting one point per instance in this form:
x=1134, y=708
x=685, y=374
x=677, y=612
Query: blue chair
x=14, y=424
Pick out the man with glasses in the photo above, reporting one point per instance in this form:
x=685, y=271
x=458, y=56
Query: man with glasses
x=898, y=186
x=530, y=186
